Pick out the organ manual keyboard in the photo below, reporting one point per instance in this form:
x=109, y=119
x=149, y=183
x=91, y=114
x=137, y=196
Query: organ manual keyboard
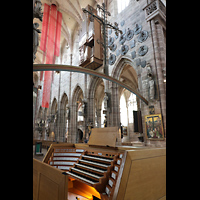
x=102, y=172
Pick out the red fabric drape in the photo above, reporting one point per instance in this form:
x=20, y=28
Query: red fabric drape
x=51, y=27
x=45, y=25
x=50, y=45
x=49, y=56
x=46, y=89
x=51, y=35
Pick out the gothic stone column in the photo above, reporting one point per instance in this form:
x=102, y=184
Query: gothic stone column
x=115, y=111
x=72, y=124
x=155, y=25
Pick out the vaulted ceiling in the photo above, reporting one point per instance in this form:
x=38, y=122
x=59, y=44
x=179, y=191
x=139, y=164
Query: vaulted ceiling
x=129, y=76
x=71, y=20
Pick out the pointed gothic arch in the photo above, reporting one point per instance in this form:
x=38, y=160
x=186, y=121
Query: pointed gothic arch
x=76, y=98
x=95, y=96
x=63, y=119
x=54, y=106
x=126, y=72
x=119, y=66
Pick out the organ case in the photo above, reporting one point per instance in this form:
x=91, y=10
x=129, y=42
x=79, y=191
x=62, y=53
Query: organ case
x=110, y=173
x=90, y=52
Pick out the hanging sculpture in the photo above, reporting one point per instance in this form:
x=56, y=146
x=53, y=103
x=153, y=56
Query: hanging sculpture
x=110, y=41
x=36, y=14
x=129, y=34
x=35, y=39
x=124, y=50
x=143, y=36
x=132, y=44
x=112, y=59
x=113, y=47
x=137, y=29
x=143, y=50
x=133, y=54
x=37, y=10
x=122, y=39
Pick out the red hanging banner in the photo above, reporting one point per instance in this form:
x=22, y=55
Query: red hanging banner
x=49, y=56
x=46, y=89
x=58, y=33
x=51, y=27
x=51, y=35
x=45, y=25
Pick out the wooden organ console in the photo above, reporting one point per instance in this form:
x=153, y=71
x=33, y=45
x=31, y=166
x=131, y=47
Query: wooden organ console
x=107, y=173
x=90, y=51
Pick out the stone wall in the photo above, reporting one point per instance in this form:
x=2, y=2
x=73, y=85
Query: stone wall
x=80, y=87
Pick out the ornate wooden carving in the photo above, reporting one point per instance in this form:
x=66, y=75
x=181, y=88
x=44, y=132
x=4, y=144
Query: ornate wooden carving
x=90, y=52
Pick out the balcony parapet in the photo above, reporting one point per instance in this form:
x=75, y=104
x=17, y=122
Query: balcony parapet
x=154, y=9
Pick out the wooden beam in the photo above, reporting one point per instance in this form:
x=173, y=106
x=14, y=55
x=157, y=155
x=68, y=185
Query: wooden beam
x=58, y=67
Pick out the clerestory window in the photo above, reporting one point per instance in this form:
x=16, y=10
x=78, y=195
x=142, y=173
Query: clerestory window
x=122, y=4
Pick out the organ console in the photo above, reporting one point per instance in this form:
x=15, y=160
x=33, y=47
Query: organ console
x=107, y=173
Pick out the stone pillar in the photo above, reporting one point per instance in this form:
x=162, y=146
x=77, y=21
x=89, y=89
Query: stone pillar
x=69, y=129
x=155, y=25
x=91, y=114
x=86, y=135
x=73, y=124
x=115, y=111
x=62, y=125
x=98, y=118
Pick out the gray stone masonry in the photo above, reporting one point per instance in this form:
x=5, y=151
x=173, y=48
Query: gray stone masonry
x=80, y=87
